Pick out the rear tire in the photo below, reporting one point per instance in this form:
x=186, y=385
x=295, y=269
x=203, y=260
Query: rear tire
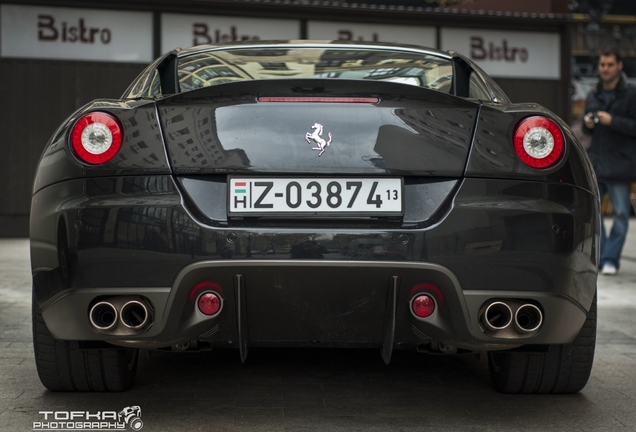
x=63, y=366
x=563, y=369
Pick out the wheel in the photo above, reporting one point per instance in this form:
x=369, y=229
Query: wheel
x=563, y=369
x=63, y=366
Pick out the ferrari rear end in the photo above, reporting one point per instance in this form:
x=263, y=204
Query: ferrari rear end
x=315, y=194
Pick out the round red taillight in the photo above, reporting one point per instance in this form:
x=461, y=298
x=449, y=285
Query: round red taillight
x=209, y=303
x=539, y=142
x=96, y=138
x=423, y=305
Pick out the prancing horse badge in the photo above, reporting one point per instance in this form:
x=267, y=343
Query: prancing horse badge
x=316, y=135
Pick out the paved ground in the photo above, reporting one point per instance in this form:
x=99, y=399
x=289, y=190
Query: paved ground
x=335, y=390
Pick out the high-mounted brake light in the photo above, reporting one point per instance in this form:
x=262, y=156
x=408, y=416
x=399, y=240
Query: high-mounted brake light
x=319, y=99
x=96, y=138
x=539, y=142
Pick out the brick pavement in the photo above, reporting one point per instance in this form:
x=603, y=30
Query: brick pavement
x=332, y=389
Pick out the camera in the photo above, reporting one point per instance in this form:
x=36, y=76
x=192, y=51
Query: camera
x=593, y=116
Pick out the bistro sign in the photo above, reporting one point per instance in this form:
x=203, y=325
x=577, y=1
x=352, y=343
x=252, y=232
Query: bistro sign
x=49, y=30
x=127, y=36
x=183, y=31
x=508, y=54
x=372, y=33
x=479, y=50
x=75, y=34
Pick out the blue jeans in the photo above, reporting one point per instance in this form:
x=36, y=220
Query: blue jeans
x=612, y=246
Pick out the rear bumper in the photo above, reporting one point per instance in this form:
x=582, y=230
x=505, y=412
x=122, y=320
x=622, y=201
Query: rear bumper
x=325, y=285
x=319, y=303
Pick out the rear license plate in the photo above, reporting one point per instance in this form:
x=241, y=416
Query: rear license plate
x=250, y=196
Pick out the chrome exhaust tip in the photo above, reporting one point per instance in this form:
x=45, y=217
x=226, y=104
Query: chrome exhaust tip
x=103, y=316
x=134, y=315
x=497, y=316
x=528, y=318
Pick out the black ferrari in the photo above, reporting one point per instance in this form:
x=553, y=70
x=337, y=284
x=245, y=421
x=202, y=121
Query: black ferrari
x=321, y=194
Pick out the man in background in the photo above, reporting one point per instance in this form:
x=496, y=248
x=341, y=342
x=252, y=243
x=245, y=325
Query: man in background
x=611, y=120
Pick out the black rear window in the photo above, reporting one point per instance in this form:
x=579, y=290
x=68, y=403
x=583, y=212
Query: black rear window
x=241, y=64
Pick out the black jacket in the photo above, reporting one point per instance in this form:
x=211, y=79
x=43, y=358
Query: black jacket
x=613, y=149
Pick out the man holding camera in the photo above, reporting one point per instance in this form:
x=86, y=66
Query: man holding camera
x=611, y=120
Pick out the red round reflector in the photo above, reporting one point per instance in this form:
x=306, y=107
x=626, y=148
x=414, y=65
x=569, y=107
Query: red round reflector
x=96, y=138
x=423, y=305
x=209, y=303
x=539, y=142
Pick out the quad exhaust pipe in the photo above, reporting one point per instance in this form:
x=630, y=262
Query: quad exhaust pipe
x=497, y=316
x=125, y=315
x=528, y=318
x=103, y=315
x=510, y=318
x=134, y=314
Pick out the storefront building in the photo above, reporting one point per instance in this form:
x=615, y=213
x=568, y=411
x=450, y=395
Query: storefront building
x=55, y=56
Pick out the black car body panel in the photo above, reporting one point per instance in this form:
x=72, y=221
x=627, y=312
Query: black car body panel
x=493, y=236
x=142, y=150
x=224, y=129
x=492, y=154
x=154, y=225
